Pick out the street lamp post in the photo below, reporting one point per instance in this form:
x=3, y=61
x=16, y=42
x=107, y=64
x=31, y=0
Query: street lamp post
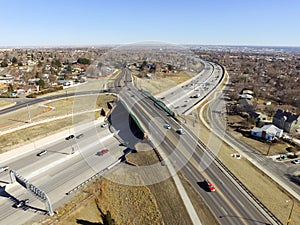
x=290, y=215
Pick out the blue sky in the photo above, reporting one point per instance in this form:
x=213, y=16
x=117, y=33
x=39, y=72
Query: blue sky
x=96, y=22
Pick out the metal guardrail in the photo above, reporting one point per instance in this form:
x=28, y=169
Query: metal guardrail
x=93, y=177
x=250, y=194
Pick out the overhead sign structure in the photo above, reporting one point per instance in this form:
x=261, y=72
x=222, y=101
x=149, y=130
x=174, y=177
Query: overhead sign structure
x=34, y=190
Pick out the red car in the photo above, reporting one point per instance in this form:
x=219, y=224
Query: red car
x=209, y=185
x=102, y=152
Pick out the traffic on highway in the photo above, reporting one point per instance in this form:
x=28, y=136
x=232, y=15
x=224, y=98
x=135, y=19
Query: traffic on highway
x=66, y=163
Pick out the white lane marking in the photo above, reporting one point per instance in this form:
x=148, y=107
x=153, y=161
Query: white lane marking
x=224, y=211
x=57, y=162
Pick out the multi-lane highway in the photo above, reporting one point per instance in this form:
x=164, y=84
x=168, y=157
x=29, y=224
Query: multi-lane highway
x=57, y=172
x=229, y=204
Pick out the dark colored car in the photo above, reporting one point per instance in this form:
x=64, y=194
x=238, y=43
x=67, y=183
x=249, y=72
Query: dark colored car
x=44, y=152
x=70, y=137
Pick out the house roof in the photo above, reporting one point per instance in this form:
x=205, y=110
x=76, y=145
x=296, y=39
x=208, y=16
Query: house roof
x=290, y=117
x=270, y=129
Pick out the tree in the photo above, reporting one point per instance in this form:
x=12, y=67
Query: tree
x=10, y=88
x=41, y=83
x=84, y=61
x=4, y=63
x=40, y=64
x=56, y=63
x=14, y=60
x=143, y=65
x=107, y=220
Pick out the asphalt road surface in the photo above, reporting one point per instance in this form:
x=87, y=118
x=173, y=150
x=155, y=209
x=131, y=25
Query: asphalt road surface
x=228, y=203
x=57, y=172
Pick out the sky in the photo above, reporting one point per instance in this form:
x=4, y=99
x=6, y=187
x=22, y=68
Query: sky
x=100, y=22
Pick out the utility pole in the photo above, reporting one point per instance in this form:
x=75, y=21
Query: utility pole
x=290, y=215
x=270, y=142
x=28, y=112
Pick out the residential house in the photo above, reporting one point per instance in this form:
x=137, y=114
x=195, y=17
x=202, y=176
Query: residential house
x=267, y=132
x=286, y=120
x=6, y=79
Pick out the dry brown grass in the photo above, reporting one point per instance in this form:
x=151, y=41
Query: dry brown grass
x=5, y=104
x=129, y=205
x=158, y=203
x=29, y=134
x=264, y=188
x=160, y=83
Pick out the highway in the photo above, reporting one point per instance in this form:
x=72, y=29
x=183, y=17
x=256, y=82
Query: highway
x=228, y=203
x=57, y=172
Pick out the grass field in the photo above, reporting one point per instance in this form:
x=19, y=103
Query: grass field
x=160, y=83
x=62, y=107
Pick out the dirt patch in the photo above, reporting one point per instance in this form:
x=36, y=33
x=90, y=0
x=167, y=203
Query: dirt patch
x=86, y=213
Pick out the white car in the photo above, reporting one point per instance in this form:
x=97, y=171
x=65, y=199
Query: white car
x=167, y=126
x=296, y=161
x=104, y=125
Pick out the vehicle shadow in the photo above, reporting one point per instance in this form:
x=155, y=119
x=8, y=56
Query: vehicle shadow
x=85, y=222
x=293, y=178
x=203, y=185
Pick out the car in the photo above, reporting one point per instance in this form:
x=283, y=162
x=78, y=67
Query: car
x=167, y=126
x=209, y=185
x=44, y=152
x=102, y=152
x=70, y=137
x=180, y=131
x=21, y=203
x=296, y=161
x=105, y=124
x=79, y=136
x=3, y=168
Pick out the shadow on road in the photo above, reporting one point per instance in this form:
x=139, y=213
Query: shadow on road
x=127, y=129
